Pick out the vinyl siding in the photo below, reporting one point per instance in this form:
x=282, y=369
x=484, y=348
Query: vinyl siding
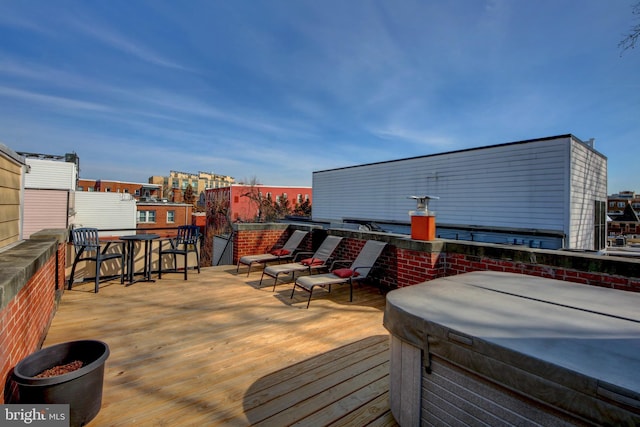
x=105, y=211
x=44, y=209
x=10, y=188
x=51, y=174
x=520, y=185
x=588, y=184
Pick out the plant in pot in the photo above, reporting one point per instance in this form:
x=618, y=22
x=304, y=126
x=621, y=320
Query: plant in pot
x=65, y=383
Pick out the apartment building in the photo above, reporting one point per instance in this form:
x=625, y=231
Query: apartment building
x=617, y=203
x=240, y=200
x=200, y=182
x=623, y=210
x=139, y=191
x=159, y=214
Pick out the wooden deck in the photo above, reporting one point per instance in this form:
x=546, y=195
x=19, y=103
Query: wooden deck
x=216, y=350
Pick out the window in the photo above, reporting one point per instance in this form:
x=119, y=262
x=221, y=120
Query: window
x=80, y=188
x=137, y=192
x=621, y=204
x=91, y=189
x=107, y=190
x=146, y=216
x=171, y=216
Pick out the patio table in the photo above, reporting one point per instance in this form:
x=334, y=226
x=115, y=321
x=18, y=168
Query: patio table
x=130, y=241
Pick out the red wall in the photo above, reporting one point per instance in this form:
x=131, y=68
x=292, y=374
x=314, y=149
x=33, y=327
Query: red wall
x=251, y=242
x=25, y=320
x=243, y=209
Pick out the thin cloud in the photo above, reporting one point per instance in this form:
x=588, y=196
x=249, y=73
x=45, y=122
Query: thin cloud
x=115, y=40
x=51, y=101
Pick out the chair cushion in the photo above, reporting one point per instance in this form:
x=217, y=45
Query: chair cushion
x=280, y=252
x=345, y=273
x=311, y=261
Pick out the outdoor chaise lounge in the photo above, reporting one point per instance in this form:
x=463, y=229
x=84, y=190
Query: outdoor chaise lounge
x=317, y=260
x=284, y=253
x=358, y=270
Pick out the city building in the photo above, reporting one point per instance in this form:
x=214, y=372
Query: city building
x=546, y=193
x=139, y=191
x=618, y=202
x=200, y=182
x=158, y=215
x=240, y=200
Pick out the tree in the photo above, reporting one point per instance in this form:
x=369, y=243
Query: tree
x=189, y=196
x=629, y=42
x=282, y=206
x=303, y=209
x=219, y=215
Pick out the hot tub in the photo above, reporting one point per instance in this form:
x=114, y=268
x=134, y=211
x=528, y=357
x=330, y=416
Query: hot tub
x=493, y=348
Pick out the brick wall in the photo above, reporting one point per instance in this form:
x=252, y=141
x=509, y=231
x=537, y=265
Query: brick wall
x=462, y=263
x=406, y=262
x=250, y=240
x=25, y=316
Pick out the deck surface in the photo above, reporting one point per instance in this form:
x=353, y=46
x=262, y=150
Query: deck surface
x=218, y=350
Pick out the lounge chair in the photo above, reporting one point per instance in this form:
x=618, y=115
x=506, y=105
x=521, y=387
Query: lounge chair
x=317, y=260
x=284, y=253
x=358, y=270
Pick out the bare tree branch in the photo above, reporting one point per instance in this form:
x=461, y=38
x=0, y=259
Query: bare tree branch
x=629, y=42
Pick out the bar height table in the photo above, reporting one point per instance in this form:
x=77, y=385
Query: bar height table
x=130, y=255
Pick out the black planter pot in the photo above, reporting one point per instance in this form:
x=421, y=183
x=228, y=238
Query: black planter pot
x=81, y=389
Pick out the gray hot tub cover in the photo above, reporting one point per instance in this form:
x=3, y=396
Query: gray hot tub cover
x=574, y=346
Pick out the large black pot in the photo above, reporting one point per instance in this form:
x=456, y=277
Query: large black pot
x=81, y=389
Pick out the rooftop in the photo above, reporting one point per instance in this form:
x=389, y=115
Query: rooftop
x=218, y=350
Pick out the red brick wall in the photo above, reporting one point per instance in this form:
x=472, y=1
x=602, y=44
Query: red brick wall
x=249, y=242
x=25, y=320
x=459, y=263
x=412, y=267
x=182, y=216
x=260, y=241
x=62, y=263
x=400, y=266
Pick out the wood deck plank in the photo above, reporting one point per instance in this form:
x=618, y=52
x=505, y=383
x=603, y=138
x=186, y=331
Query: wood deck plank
x=218, y=350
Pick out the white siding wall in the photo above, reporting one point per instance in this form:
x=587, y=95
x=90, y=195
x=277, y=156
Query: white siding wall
x=522, y=185
x=51, y=174
x=588, y=184
x=44, y=209
x=105, y=211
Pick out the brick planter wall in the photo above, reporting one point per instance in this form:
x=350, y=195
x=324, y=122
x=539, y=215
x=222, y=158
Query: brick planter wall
x=251, y=239
x=459, y=263
x=32, y=282
x=406, y=262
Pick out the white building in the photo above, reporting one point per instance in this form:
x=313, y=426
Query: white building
x=49, y=190
x=548, y=192
x=51, y=200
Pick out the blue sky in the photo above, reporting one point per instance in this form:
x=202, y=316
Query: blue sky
x=275, y=90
